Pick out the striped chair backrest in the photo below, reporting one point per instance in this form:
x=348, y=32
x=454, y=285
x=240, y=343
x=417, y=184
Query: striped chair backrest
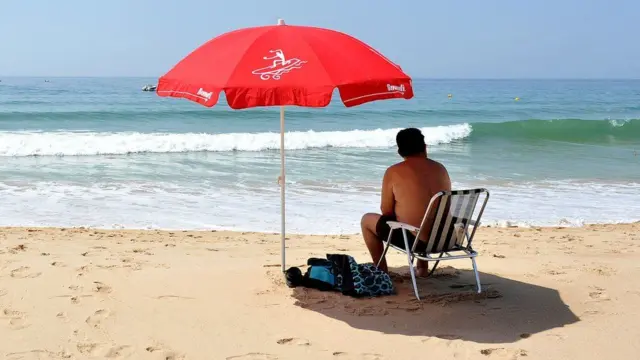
x=448, y=217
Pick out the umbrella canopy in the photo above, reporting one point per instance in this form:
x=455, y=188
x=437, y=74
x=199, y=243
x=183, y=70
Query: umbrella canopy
x=285, y=65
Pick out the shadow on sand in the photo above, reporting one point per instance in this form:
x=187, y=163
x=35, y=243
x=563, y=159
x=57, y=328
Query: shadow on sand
x=505, y=312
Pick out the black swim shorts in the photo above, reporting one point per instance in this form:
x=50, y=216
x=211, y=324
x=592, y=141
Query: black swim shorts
x=383, y=229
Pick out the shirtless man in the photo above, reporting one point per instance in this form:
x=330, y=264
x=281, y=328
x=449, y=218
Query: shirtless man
x=407, y=188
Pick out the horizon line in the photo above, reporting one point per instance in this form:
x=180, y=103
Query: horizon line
x=414, y=78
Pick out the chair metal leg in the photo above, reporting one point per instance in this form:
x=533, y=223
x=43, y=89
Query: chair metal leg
x=475, y=270
x=434, y=268
x=413, y=277
x=410, y=261
x=386, y=248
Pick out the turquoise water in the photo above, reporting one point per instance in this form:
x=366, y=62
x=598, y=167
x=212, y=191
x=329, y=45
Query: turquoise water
x=100, y=152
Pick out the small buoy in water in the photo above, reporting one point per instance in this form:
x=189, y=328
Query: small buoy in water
x=449, y=96
x=517, y=99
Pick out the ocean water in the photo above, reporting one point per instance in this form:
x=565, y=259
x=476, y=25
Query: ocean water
x=100, y=152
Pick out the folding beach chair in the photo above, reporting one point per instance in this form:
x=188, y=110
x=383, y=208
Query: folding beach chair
x=450, y=213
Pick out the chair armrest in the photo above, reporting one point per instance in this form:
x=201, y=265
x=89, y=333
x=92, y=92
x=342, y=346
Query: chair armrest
x=474, y=223
x=398, y=225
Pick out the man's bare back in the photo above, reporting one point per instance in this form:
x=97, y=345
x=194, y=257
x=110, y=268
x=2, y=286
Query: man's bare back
x=411, y=184
x=407, y=188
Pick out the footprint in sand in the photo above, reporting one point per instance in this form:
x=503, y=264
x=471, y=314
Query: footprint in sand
x=93, y=349
x=504, y=353
x=98, y=317
x=75, y=287
x=130, y=263
x=599, y=294
x=62, y=316
x=119, y=352
x=409, y=305
x=18, y=248
x=17, y=319
x=142, y=251
x=103, y=351
x=557, y=336
x=75, y=299
x=294, y=341
x=555, y=272
x=315, y=304
x=38, y=355
x=167, y=354
x=107, y=266
x=602, y=270
x=102, y=288
x=590, y=313
x=366, y=310
x=349, y=356
x=3, y=292
x=253, y=356
x=82, y=270
x=24, y=272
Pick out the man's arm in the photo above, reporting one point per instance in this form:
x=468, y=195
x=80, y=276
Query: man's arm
x=443, y=184
x=442, y=179
x=387, y=203
x=446, y=180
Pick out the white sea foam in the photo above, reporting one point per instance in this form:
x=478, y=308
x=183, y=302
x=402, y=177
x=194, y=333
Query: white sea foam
x=171, y=205
x=102, y=143
x=618, y=123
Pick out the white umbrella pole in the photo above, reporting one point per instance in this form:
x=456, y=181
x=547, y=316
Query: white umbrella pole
x=282, y=179
x=282, y=185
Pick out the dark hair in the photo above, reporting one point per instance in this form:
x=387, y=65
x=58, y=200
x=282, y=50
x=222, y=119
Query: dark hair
x=410, y=142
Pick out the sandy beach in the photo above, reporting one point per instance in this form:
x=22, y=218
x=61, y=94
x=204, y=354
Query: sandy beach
x=550, y=293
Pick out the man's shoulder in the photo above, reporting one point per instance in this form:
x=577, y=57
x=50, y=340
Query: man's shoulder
x=396, y=167
x=405, y=166
x=437, y=164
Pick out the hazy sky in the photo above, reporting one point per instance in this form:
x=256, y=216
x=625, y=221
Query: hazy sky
x=442, y=39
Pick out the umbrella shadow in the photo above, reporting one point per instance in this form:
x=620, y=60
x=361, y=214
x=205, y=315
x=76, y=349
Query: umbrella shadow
x=505, y=312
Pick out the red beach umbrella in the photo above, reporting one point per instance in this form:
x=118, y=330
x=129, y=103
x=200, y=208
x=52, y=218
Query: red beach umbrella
x=285, y=65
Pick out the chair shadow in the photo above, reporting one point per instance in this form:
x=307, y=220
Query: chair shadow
x=506, y=311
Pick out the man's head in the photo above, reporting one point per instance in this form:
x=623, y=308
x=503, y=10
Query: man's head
x=411, y=143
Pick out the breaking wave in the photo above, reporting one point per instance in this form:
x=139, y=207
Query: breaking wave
x=33, y=143
x=102, y=143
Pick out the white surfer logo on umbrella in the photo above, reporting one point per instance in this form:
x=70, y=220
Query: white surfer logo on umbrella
x=279, y=66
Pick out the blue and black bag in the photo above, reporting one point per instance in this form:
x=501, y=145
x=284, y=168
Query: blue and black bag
x=340, y=272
